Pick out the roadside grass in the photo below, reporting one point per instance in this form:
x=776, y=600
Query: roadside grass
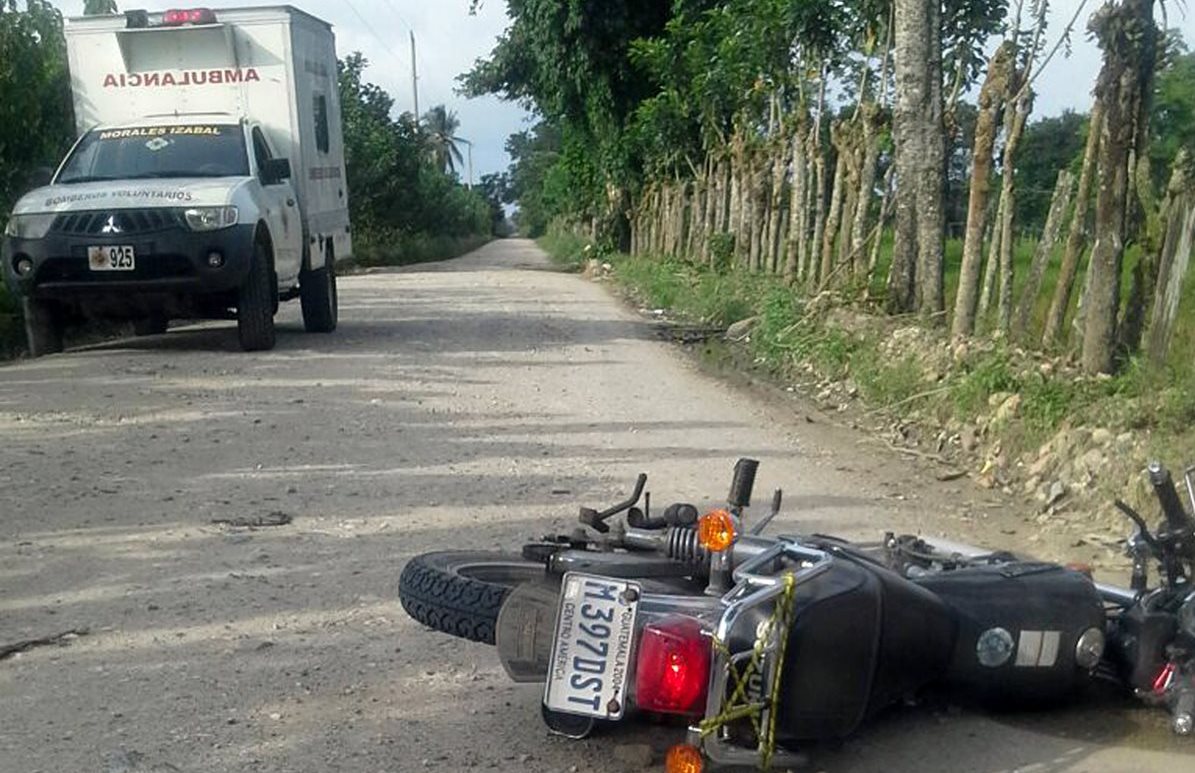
x=401, y=249
x=791, y=340
x=566, y=249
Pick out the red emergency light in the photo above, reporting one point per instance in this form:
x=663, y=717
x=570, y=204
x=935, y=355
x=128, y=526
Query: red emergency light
x=178, y=17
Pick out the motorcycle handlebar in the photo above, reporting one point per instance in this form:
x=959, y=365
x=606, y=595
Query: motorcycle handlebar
x=1172, y=506
x=743, y=483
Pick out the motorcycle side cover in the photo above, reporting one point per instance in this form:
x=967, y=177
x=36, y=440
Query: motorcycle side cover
x=1019, y=628
x=862, y=638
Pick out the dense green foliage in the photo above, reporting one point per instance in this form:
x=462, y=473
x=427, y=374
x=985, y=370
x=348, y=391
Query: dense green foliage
x=1173, y=119
x=399, y=186
x=537, y=179
x=1050, y=144
x=636, y=90
x=571, y=61
x=36, y=123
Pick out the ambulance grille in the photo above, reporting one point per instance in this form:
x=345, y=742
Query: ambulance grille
x=121, y=222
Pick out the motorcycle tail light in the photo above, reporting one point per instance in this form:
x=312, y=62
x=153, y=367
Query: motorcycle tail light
x=673, y=667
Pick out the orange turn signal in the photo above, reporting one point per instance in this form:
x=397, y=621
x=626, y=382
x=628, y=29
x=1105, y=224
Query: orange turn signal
x=716, y=531
x=683, y=759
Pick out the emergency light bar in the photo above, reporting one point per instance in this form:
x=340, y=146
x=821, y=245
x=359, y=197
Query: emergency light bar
x=176, y=17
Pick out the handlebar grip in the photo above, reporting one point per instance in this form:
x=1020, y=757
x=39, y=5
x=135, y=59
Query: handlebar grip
x=1167, y=495
x=743, y=483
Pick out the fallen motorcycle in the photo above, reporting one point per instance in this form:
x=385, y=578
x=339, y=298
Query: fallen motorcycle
x=765, y=644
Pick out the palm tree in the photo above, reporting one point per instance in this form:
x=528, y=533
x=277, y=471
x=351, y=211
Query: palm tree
x=441, y=125
x=98, y=7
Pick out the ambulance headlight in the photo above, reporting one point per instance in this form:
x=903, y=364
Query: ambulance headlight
x=211, y=218
x=29, y=226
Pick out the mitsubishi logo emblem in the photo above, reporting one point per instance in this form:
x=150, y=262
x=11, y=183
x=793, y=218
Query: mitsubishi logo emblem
x=111, y=227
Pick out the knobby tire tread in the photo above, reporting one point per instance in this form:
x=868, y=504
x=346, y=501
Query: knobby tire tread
x=440, y=599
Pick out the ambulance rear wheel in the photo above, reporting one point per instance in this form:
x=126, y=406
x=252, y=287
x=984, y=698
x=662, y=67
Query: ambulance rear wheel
x=317, y=295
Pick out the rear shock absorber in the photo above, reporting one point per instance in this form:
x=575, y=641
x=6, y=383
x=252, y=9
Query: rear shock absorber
x=682, y=546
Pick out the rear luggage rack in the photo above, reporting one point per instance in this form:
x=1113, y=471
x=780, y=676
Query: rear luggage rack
x=758, y=583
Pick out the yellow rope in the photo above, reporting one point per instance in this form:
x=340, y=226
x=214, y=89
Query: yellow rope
x=737, y=707
x=782, y=619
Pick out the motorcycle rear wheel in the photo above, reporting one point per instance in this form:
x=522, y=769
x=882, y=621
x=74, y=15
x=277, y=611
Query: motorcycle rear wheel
x=460, y=593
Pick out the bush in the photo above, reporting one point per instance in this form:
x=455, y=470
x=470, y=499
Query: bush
x=393, y=248
x=565, y=247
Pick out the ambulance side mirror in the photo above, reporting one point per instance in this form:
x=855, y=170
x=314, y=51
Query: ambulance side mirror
x=275, y=171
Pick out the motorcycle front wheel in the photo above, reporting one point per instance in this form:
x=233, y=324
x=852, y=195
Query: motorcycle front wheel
x=461, y=593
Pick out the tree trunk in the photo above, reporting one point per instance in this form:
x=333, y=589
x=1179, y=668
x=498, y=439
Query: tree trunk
x=1172, y=275
x=1128, y=36
x=708, y=202
x=991, y=98
x=1143, y=291
x=662, y=221
x=1014, y=127
x=734, y=217
x=781, y=262
x=646, y=217
x=931, y=188
x=915, y=281
x=772, y=247
x=850, y=204
x=796, y=208
x=665, y=219
x=819, y=216
x=759, y=219
x=988, y=292
x=815, y=196
x=695, y=220
x=878, y=232
x=679, y=218
x=833, y=218
x=1076, y=238
x=722, y=198
x=867, y=181
x=1059, y=205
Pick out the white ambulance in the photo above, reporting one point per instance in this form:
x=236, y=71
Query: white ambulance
x=208, y=181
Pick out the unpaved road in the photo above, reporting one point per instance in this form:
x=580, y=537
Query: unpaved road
x=465, y=404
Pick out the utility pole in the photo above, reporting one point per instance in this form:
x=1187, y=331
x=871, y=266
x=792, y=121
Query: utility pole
x=469, y=145
x=414, y=76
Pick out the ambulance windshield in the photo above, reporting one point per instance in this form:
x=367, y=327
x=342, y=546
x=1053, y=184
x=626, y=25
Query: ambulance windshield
x=157, y=152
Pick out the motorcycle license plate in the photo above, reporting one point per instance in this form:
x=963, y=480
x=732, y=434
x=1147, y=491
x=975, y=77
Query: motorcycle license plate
x=121, y=258
x=591, y=658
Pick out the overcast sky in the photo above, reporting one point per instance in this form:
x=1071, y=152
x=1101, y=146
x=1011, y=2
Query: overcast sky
x=450, y=40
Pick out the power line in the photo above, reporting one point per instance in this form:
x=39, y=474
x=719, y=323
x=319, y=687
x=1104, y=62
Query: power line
x=373, y=31
x=398, y=13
